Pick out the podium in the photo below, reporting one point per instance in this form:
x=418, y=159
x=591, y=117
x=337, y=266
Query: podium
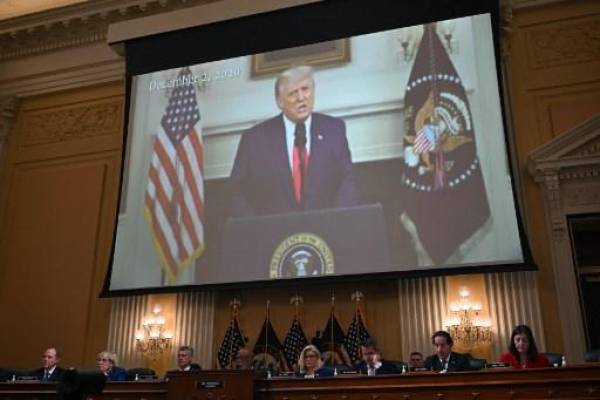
x=210, y=385
x=341, y=241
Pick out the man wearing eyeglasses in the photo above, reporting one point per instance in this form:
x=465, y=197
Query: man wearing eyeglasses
x=50, y=371
x=107, y=363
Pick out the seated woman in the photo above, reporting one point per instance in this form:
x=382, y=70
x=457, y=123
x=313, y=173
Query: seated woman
x=107, y=363
x=523, y=352
x=310, y=364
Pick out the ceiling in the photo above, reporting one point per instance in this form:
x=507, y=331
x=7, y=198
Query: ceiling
x=15, y=8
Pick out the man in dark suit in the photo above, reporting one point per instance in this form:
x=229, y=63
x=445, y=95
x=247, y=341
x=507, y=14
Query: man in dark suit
x=298, y=160
x=50, y=371
x=372, y=363
x=444, y=359
x=184, y=359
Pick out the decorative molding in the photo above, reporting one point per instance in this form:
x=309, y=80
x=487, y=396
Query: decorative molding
x=7, y=115
x=570, y=43
x=507, y=8
x=76, y=25
x=72, y=123
x=590, y=148
x=567, y=168
x=585, y=195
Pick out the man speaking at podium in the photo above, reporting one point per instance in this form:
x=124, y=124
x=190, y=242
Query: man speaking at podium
x=298, y=160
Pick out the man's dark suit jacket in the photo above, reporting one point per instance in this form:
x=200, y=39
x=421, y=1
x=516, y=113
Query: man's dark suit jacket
x=261, y=178
x=385, y=368
x=54, y=377
x=193, y=367
x=458, y=362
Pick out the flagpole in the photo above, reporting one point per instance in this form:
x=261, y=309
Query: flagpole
x=234, y=304
x=331, y=356
x=267, y=323
x=296, y=301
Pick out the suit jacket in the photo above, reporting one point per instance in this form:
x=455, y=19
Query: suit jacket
x=193, y=367
x=117, y=374
x=457, y=362
x=386, y=367
x=261, y=178
x=54, y=377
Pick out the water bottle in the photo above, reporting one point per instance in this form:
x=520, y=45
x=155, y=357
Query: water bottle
x=137, y=377
x=403, y=369
x=563, y=362
x=268, y=374
x=335, y=372
x=14, y=378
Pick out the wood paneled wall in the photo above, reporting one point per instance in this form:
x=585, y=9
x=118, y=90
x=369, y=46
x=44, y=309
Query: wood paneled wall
x=554, y=78
x=59, y=197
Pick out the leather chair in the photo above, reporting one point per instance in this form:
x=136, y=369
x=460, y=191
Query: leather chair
x=592, y=356
x=477, y=363
x=554, y=358
x=142, y=373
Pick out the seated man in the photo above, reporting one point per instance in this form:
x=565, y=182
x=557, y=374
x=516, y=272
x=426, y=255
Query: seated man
x=107, y=364
x=244, y=359
x=372, y=363
x=184, y=359
x=50, y=371
x=416, y=360
x=444, y=359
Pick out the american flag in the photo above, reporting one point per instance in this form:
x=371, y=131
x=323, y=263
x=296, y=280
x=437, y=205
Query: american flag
x=425, y=140
x=294, y=342
x=356, y=335
x=232, y=342
x=174, y=203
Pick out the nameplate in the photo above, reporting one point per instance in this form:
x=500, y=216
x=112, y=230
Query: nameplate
x=349, y=372
x=419, y=369
x=209, y=384
x=27, y=378
x=287, y=373
x=496, y=365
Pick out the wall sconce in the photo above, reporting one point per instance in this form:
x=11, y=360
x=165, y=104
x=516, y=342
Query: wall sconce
x=409, y=39
x=446, y=31
x=464, y=325
x=153, y=339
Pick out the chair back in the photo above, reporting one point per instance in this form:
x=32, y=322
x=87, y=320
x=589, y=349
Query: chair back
x=141, y=373
x=554, y=358
x=477, y=364
x=592, y=356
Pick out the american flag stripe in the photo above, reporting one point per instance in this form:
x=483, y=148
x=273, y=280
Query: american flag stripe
x=162, y=236
x=162, y=198
x=175, y=192
x=195, y=203
x=192, y=176
x=422, y=143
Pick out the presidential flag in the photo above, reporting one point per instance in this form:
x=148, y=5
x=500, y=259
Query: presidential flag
x=293, y=343
x=268, y=349
x=174, y=201
x=443, y=189
x=232, y=341
x=332, y=343
x=356, y=335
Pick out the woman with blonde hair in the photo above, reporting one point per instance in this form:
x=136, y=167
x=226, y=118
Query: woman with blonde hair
x=107, y=364
x=310, y=364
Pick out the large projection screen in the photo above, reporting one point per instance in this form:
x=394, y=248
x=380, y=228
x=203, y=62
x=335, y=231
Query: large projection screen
x=407, y=165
